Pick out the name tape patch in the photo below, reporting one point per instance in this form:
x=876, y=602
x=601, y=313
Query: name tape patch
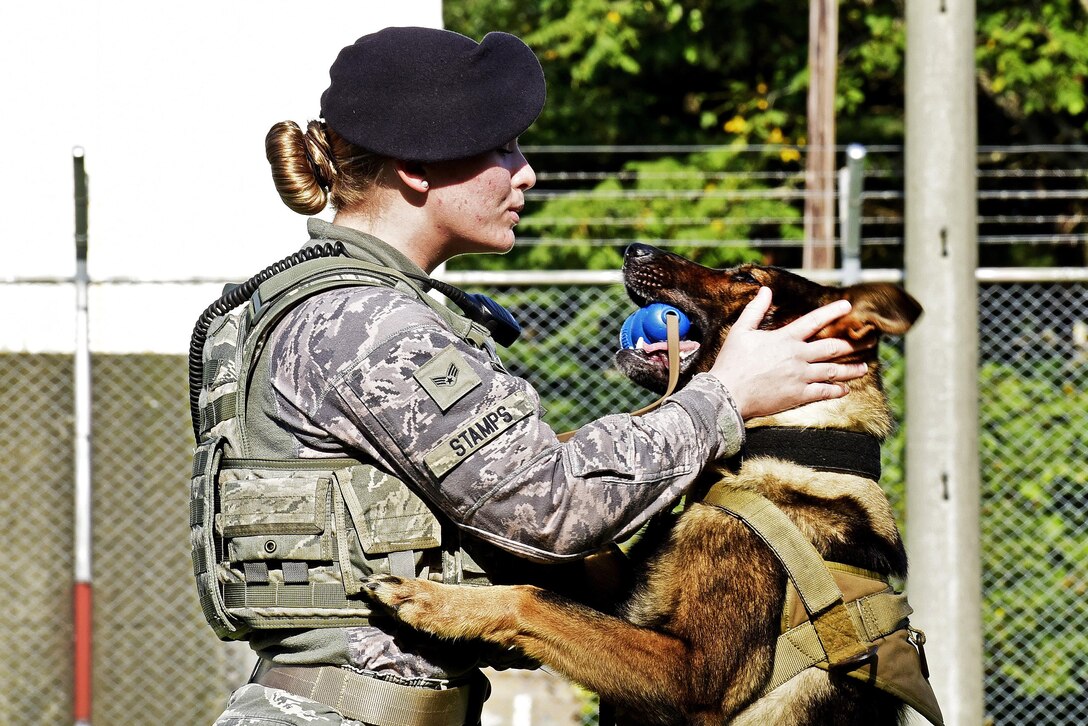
x=447, y=378
x=455, y=448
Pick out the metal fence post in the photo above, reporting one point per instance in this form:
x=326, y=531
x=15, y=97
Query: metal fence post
x=941, y=253
x=851, y=179
x=81, y=596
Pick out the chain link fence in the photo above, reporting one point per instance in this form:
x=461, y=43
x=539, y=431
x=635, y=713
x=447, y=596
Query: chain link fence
x=1033, y=396
x=155, y=661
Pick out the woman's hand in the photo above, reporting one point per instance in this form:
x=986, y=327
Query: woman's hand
x=767, y=371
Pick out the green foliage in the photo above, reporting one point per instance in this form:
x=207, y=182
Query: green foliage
x=711, y=71
x=698, y=71
x=1033, y=61
x=736, y=72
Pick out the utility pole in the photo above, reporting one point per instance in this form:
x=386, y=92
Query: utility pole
x=941, y=255
x=823, y=44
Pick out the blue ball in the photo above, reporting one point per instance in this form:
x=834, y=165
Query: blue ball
x=649, y=323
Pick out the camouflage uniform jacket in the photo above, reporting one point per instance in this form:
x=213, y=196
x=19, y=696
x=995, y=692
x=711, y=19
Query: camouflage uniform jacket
x=374, y=373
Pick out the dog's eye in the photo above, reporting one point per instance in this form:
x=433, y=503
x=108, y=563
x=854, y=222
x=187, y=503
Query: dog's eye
x=747, y=277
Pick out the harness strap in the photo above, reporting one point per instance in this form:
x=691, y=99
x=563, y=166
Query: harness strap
x=672, y=331
x=324, y=266
x=370, y=700
x=800, y=647
x=841, y=642
x=218, y=411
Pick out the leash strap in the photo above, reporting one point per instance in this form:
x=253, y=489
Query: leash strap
x=366, y=699
x=672, y=325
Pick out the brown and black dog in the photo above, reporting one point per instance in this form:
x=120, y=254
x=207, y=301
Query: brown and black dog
x=694, y=641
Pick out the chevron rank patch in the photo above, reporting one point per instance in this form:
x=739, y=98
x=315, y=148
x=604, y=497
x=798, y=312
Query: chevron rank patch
x=447, y=377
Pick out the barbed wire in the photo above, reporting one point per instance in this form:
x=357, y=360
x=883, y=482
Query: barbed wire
x=699, y=175
x=742, y=148
x=1017, y=202
x=778, y=243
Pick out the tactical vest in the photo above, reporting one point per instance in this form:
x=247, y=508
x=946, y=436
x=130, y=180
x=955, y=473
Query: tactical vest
x=280, y=542
x=836, y=617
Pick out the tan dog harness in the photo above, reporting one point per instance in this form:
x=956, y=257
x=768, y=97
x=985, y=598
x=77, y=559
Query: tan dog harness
x=836, y=617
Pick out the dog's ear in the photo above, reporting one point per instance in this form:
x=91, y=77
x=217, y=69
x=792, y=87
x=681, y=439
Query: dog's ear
x=878, y=307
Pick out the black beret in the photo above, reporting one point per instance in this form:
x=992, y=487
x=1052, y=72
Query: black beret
x=422, y=94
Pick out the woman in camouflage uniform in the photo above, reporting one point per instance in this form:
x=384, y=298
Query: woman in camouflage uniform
x=418, y=154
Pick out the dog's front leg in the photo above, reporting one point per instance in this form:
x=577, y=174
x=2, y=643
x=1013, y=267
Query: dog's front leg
x=641, y=669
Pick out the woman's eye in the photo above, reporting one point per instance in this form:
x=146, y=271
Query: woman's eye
x=509, y=148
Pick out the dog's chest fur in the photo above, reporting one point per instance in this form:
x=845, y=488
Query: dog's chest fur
x=712, y=582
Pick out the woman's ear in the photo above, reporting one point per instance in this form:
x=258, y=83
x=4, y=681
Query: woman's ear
x=413, y=175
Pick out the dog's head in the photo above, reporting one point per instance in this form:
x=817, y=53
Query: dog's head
x=713, y=299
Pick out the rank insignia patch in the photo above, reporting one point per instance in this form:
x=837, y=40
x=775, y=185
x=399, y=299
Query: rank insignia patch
x=447, y=377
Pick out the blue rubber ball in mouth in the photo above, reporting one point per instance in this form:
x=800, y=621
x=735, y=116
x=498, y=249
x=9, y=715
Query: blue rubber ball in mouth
x=649, y=324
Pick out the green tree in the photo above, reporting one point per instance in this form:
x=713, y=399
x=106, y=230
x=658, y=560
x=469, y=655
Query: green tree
x=735, y=72
x=1032, y=60
x=672, y=71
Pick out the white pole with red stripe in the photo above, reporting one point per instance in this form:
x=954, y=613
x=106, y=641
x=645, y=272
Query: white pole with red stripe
x=81, y=595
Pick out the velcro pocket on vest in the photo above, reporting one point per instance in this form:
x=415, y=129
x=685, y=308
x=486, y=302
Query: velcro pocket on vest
x=395, y=531
x=295, y=505
x=387, y=515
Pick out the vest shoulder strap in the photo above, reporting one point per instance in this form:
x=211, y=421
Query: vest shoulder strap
x=276, y=296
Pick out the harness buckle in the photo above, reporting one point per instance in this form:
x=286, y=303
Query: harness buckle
x=918, y=639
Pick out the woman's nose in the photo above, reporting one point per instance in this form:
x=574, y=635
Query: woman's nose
x=524, y=177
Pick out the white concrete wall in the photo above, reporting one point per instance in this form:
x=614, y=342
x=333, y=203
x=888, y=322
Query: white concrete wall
x=171, y=102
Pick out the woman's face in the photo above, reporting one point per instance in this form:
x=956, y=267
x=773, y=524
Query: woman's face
x=477, y=202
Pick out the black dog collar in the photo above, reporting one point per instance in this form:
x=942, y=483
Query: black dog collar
x=845, y=452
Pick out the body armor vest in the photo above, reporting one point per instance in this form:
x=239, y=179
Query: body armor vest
x=280, y=542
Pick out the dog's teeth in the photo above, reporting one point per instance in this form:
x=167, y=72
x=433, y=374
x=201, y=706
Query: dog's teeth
x=640, y=344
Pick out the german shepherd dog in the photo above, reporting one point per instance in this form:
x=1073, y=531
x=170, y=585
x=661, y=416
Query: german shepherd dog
x=693, y=640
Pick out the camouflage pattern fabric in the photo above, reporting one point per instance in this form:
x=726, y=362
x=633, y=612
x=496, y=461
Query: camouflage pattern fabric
x=254, y=705
x=374, y=373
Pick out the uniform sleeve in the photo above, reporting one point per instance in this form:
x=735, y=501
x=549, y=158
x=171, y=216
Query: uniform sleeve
x=447, y=415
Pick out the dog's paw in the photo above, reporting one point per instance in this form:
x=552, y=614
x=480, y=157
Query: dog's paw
x=390, y=590
x=419, y=603
x=448, y=611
